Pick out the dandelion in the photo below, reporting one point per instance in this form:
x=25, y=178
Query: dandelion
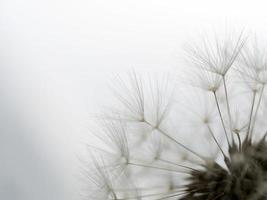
x=203, y=141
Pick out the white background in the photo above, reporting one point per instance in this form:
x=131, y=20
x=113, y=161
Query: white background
x=55, y=58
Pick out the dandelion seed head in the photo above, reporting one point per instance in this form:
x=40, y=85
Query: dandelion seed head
x=206, y=142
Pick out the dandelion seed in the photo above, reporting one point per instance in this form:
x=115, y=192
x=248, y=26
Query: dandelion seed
x=253, y=63
x=218, y=55
x=100, y=181
x=132, y=98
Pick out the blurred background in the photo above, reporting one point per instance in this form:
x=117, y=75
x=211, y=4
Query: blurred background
x=55, y=59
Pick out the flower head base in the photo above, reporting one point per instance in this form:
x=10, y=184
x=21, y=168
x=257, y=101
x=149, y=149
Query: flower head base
x=156, y=148
x=243, y=178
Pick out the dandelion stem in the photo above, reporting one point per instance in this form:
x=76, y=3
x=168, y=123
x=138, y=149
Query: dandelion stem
x=145, y=189
x=177, y=142
x=219, y=110
x=239, y=142
x=228, y=108
x=214, y=138
x=180, y=144
x=155, y=167
x=172, y=163
x=250, y=115
x=178, y=194
x=151, y=195
x=257, y=108
x=174, y=195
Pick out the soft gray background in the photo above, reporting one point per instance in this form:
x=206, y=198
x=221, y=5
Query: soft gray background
x=55, y=57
